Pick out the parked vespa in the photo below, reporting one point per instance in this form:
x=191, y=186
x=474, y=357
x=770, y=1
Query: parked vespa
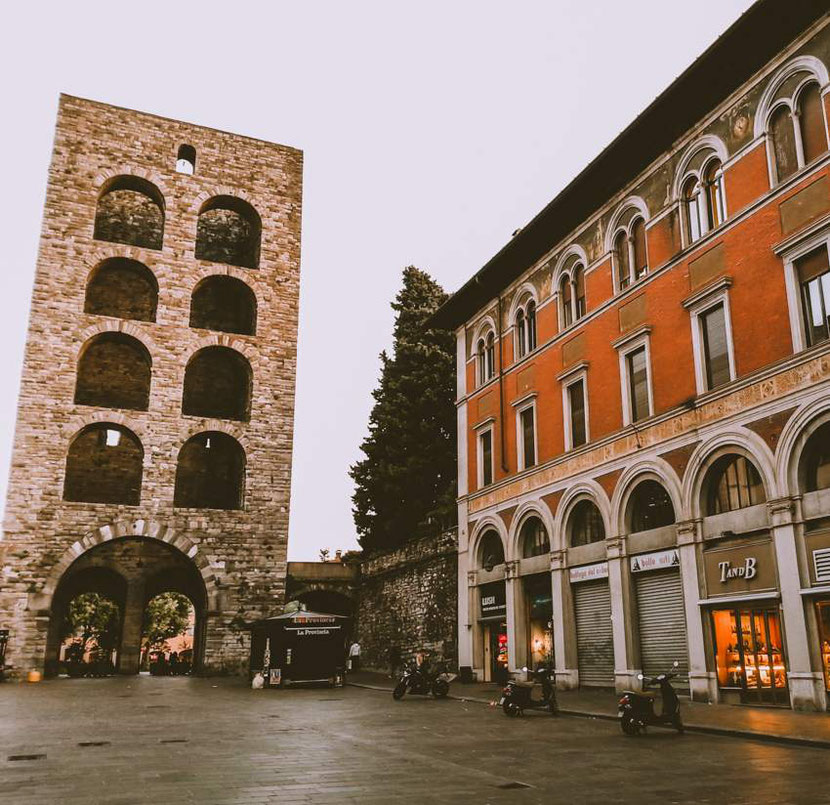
x=636, y=710
x=516, y=697
x=423, y=680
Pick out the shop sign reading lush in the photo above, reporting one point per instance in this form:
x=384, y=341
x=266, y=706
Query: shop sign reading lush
x=493, y=600
x=655, y=561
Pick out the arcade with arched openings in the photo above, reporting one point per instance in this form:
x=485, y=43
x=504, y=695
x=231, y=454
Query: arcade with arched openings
x=130, y=572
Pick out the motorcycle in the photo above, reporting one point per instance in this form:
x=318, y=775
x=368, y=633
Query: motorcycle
x=423, y=681
x=516, y=697
x=636, y=710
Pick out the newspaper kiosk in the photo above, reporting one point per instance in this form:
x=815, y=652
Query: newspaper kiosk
x=299, y=646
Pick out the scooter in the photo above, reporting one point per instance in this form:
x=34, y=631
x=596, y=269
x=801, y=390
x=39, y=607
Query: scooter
x=416, y=679
x=516, y=697
x=636, y=710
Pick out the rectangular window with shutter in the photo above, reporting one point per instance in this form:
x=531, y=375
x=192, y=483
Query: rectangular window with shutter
x=576, y=399
x=814, y=279
x=528, y=436
x=715, y=348
x=486, y=457
x=638, y=384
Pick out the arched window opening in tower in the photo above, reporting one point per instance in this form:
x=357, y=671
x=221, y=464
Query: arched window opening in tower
x=130, y=210
x=210, y=473
x=122, y=288
x=186, y=160
x=228, y=231
x=217, y=384
x=114, y=371
x=104, y=465
x=225, y=304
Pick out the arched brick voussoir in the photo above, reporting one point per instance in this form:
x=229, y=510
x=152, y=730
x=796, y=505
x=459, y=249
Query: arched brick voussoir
x=223, y=190
x=205, y=425
x=230, y=340
x=253, y=280
x=76, y=423
x=151, y=176
x=149, y=258
x=116, y=326
x=124, y=529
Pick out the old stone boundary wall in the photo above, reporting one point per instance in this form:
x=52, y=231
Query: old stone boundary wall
x=408, y=602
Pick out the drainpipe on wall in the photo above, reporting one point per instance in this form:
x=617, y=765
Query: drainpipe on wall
x=501, y=393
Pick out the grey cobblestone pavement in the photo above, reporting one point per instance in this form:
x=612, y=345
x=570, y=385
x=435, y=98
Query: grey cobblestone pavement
x=181, y=740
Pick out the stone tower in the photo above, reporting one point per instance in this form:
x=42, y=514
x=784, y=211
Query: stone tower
x=153, y=443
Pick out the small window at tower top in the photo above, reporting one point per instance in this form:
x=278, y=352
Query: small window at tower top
x=186, y=159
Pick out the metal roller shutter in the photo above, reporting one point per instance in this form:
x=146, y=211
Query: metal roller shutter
x=594, y=633
x=662, y=623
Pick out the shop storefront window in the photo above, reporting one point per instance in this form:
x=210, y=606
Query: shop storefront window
x=750, y=654
x=823, y=612
x=540, y=613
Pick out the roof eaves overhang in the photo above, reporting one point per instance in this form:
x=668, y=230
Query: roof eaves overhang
x=742, y=50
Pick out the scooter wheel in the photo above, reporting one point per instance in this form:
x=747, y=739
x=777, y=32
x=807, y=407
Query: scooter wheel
x=628, y=726
x=399, y=691
x=440, y=688
x=511, y=709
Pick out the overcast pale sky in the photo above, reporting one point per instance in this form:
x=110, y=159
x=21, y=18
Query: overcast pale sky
x=431, y=131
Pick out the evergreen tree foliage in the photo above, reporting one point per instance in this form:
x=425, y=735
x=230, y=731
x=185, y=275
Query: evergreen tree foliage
x=405, y=486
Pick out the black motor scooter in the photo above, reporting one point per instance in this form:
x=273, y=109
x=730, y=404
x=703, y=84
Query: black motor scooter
x=516, y=697
x=636, y=710
x=417, y=679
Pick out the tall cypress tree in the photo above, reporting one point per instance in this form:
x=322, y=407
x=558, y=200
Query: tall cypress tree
x=405, y=486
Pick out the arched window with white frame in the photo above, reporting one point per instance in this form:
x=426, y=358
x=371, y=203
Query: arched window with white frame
x=699, y=188
x=791, y=115
x=626, y=240
x=484, y=352
x=570, y=285
x=524, y=321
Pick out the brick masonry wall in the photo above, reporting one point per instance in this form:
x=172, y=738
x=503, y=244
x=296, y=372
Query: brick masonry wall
x=407, y=602
x=241, y=555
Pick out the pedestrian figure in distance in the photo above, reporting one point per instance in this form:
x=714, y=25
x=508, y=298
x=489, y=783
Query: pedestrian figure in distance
x=354, y=656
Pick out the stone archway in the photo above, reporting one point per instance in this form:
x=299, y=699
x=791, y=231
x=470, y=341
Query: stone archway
x=147, y=567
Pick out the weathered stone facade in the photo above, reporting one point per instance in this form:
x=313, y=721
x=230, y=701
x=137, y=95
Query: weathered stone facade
x=407, y=602
x=237, y=551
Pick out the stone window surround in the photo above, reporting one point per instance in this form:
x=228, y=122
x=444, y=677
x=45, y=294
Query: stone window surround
x=525, y=403
x=487, y=426
x=702, y=302
x=567, y=379
x=631, y=342
x=790, y=251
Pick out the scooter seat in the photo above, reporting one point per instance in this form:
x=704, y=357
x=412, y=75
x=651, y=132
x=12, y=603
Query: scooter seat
x=638, y=694
x=523, y=684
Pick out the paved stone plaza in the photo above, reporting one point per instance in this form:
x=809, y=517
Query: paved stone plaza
x=148, y=739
